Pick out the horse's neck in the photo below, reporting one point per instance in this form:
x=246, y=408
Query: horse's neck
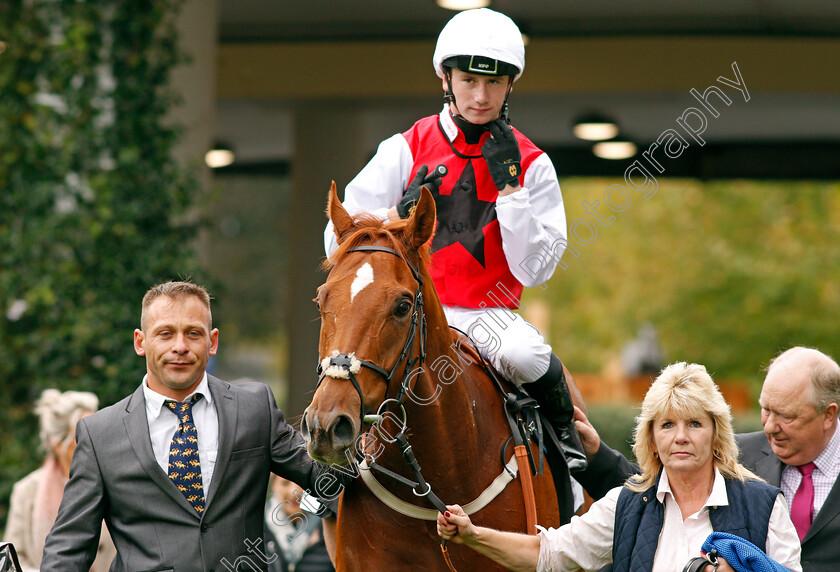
x=441, y=357
x=439, y=410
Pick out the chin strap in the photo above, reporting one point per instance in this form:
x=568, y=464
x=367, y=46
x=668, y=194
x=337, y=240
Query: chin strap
x=505, y=114
x=448, y=96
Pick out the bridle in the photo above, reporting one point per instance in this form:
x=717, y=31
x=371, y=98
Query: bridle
x=346, y=366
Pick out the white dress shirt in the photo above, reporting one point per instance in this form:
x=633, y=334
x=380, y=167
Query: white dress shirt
x=824, y=476
x=587, y=541
x=163, y=422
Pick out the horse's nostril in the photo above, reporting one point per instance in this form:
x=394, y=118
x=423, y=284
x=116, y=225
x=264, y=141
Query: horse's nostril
x=343, y=431
x=309, y=427
x=304, y=427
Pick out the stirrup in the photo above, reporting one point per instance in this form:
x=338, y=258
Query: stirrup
x=699, y=563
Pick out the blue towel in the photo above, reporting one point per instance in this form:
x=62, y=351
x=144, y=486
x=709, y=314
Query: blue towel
x=742, y=555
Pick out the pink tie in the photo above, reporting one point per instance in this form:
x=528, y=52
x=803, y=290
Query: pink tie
x=802, y=507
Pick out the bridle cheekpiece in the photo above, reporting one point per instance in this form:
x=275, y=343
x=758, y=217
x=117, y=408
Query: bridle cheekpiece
x=346, y=366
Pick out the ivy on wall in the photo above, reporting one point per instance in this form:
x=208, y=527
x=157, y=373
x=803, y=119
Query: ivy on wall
x=92, y=205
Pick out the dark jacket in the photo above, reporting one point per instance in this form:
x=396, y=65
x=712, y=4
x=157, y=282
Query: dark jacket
x=820, y=547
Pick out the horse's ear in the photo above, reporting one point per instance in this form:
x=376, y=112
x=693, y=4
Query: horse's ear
x=342, y=221
x=421, y=225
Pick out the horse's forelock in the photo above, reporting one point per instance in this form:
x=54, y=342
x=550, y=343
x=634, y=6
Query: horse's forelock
x=370, y=230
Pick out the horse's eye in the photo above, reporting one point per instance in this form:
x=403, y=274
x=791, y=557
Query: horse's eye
x=402, y=309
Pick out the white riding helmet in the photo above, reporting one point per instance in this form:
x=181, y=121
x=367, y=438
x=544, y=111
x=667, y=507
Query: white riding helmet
x=483, y=41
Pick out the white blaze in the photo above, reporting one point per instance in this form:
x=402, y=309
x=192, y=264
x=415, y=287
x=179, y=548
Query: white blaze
x=364, y=277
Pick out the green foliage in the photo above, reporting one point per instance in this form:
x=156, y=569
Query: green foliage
x=729, y=272
x=615, y=424
x=747, y=422
x=92, y=205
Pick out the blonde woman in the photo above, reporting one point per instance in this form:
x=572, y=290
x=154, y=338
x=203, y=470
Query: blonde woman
x=690, y=485
x=36, y=497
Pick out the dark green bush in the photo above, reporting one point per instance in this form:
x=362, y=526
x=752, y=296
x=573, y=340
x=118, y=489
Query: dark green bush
x=615, y=424
x=91, y=201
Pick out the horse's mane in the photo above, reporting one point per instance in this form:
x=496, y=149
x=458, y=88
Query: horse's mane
x=368, y=229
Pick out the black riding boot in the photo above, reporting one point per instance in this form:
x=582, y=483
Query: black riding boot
x=552, y=393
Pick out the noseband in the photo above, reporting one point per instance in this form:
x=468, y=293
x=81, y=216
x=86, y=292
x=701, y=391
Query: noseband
x=346, y=366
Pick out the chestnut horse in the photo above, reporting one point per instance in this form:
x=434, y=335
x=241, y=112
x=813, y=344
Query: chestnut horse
x=381, y=317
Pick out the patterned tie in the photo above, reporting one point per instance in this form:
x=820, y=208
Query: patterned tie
x=802, y=507
x=184, y=466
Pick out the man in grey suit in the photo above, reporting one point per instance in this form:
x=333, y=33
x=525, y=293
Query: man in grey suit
x=799, y=406
x=144, y=464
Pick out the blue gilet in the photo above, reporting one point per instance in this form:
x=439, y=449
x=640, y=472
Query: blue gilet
x=639, y=518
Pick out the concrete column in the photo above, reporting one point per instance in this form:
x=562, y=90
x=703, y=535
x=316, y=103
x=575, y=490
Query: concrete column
x=329, y=145
x=196, y=83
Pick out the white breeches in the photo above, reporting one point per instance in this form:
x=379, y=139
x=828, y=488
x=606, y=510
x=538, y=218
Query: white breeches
x=512, y=345
x=505, y=339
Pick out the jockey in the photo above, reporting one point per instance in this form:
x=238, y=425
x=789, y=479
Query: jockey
x=501, y=224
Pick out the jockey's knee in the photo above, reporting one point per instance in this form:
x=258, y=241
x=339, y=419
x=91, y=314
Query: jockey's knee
x=524, y=362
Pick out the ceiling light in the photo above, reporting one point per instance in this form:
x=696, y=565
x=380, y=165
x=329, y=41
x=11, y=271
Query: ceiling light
x=463, y=4
x=595, y=127
x=614, y=149
x=595, y=131
x=220, y=156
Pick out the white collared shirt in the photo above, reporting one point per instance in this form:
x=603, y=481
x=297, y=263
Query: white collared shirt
x=587, y=541
x=163, y=423
x=824, y=476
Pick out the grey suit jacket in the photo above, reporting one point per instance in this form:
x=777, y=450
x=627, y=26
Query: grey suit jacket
x=821, y=545
x=114, y=476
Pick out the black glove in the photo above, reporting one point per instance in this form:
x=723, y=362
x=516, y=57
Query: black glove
x=412, y=193
x=501, y=151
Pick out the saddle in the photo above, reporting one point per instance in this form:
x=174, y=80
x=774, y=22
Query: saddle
x=527, y=424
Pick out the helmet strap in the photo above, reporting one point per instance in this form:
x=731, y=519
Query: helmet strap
x=505, y=114
x=448, y=96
